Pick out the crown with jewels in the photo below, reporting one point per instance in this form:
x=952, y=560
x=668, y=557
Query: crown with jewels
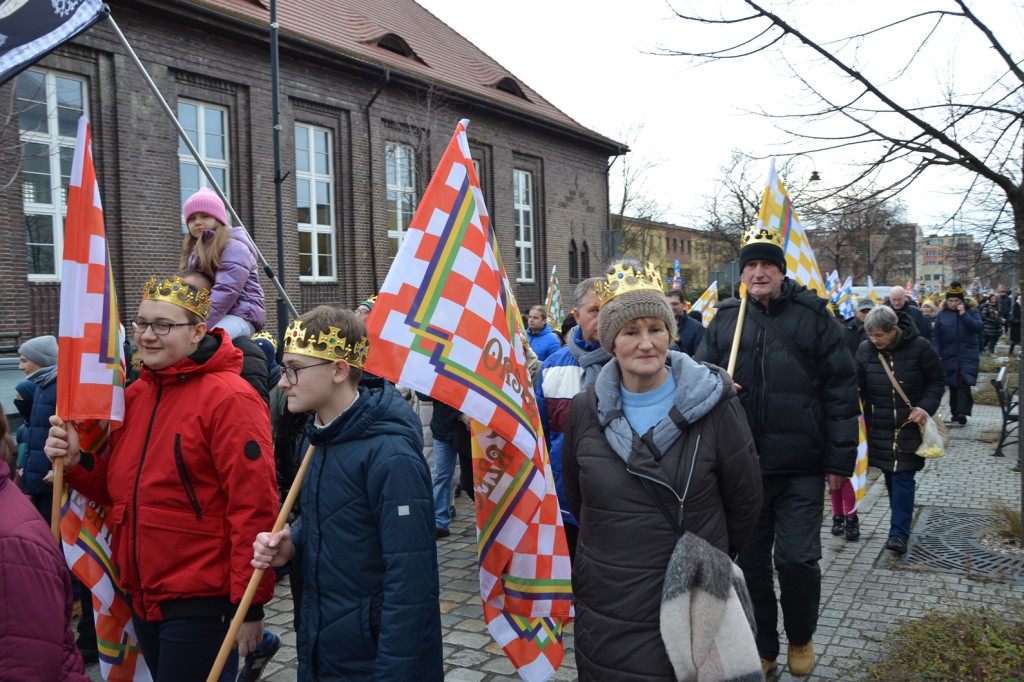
x=762, y=235
x=267, y=336
x=955, y=289
x=177, y=291
x=330, y=345
x=622, y=279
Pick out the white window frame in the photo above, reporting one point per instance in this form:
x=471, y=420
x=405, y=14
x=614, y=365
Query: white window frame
x=394, y=152
x=185, y=157
x=313, y=227
x=523, y=209
x=57, y=208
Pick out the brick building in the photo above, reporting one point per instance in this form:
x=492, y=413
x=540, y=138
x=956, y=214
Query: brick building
x=370, y=94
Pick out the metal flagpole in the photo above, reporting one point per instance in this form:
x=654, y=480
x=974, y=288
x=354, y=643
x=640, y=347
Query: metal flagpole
x=282, y=317
x=202, y=165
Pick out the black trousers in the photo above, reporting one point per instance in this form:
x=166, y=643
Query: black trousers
x=787, y=536
x=961, y=401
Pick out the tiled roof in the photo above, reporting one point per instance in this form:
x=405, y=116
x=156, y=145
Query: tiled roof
x=352, y=27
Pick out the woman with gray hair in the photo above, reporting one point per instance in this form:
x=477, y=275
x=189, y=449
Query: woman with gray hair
x=895, y=352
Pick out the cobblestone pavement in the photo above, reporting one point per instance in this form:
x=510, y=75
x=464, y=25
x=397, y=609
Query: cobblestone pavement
x=866, y=590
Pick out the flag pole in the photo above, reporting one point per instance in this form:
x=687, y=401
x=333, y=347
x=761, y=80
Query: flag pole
x=739, y=329
x=202, y=164
x=58, y=489
x=257, y=576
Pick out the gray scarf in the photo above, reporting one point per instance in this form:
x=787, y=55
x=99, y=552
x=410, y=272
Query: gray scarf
x=590, y=360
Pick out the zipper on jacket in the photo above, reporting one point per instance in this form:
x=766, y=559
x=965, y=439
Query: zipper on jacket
x=135, y=492
x=186, y=482
x=680, y=499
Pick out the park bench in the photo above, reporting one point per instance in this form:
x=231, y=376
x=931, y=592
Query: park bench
x=1009, y=403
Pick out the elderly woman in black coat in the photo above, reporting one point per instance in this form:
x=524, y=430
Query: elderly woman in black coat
x=656, y=446
x=894, y=433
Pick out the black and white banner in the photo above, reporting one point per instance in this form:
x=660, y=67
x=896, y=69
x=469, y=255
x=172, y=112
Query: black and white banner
x=31, y=28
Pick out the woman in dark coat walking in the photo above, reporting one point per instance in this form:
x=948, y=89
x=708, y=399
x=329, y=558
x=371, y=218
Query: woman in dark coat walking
x=1014, y=324
x=894, y=433
x=993, y=322
x=955, y=336
x=654, y=425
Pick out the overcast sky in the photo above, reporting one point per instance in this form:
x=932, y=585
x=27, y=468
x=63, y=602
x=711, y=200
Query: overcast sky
x=592, y=59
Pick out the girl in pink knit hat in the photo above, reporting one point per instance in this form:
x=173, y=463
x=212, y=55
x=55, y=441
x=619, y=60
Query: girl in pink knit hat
x=227, y=256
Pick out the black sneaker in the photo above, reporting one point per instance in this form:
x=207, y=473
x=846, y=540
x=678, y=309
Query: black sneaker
x=256, y=661
x=896, y=544
x=838, y=524
x=852, y=528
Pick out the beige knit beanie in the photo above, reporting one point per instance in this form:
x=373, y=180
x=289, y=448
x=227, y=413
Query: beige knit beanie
x=632, y=305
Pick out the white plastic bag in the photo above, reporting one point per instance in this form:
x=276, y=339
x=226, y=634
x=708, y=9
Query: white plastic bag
x=933, y=445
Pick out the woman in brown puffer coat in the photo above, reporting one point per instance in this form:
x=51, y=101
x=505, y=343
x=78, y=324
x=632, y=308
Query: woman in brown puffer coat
x=653, y=419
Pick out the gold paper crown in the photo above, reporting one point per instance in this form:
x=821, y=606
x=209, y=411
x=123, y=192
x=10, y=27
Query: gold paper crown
x=180, y=293
x=371, y=300
x=267, y=336
x=955, y=291
x=620, y=280
x=330, y=346
x=762, y=235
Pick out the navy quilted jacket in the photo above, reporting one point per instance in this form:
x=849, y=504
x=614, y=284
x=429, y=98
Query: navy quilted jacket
x=366, y=542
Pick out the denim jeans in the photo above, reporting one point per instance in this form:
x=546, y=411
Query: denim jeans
x=900, y=487
x=444, y=466
x=184, y=648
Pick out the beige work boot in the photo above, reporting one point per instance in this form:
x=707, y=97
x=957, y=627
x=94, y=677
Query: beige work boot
x=801, y=658
x=767, y=666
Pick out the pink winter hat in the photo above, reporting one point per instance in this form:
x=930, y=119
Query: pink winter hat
x=205, y=201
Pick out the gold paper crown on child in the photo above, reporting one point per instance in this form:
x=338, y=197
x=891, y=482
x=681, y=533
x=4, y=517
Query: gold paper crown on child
x=622, y=279
x=177, y=291
x=266, y=336
x=762, y=235
x=330, y=346
x=955, y=290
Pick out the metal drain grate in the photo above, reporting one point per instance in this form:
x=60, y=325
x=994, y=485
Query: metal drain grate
x=946, y=540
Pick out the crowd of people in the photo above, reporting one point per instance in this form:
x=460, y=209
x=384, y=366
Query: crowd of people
x=663, y=460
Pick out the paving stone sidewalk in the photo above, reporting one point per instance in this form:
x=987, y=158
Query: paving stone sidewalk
x=866, y=590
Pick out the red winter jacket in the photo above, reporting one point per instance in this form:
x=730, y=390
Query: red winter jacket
x=190, y=479
x=36, y=641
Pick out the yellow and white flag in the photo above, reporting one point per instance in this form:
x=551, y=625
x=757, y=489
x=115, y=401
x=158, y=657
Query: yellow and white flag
x=777, y=214
x=707, y=304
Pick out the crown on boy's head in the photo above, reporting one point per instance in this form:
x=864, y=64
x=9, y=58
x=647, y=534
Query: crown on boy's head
x=175, y=290
x=267, y=336
x=621, y=279
x=329, y=346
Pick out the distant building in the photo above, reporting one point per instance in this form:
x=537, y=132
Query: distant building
x=370, y=94
x=662, y=244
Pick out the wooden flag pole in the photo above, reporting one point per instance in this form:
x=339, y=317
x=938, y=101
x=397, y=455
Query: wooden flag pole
x=58, y=489
x=257, y=576
x=739, y=329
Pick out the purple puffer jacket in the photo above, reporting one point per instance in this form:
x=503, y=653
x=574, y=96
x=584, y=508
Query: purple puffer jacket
x=236, y=286
x=36, y=641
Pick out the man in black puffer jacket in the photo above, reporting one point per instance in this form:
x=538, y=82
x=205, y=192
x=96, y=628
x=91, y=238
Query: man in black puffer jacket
x=798, y=387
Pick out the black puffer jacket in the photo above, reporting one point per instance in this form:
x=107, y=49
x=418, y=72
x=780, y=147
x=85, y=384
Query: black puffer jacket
x=703, y=447
x=801, y=425
x=892, y=441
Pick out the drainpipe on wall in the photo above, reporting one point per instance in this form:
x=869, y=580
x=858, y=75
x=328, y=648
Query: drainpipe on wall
x=369, y=144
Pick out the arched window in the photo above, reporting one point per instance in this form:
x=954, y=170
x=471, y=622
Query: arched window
x=392, y=42
x=574, y=261
x=509, y=85
x=585, y=261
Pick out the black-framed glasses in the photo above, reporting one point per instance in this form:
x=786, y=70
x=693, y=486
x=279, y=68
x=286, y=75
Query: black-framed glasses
x=293, y=372
x=159, y=328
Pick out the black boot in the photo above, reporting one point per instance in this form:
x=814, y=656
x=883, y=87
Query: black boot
x=852, y=528
x=838, y=524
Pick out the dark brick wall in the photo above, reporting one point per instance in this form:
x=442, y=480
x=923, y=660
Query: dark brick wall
x=135, y=147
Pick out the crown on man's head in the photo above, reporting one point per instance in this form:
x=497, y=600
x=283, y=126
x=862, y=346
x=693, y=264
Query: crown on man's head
x=622, y=279
x=762, y=235
x=267, y=336
x=330, y=345
x=177, y=291
x=955, y=289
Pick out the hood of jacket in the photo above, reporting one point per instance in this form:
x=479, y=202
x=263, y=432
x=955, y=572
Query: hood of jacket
x=698, y=389
x=215, y=353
